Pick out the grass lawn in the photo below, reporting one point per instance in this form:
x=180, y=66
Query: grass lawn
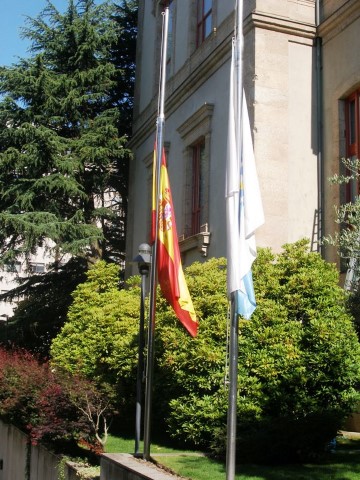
x=343, y=464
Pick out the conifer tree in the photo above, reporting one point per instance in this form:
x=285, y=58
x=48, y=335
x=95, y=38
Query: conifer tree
x=64, y=123
x=123, y=57
x=59, y=140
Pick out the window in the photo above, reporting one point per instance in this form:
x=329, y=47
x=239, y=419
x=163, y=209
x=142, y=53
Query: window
x=197, y=187
x=204, y=20
x=352, y=134
x=37, y=267
x=196, y=136
x=170, y=44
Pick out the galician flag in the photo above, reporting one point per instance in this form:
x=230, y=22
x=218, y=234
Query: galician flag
x=244, y=211
x=170, y=273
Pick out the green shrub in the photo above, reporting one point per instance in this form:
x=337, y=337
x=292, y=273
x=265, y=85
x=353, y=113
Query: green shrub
x=99, y=339
x=299, y=359
x=299, y=356
x=190, y=389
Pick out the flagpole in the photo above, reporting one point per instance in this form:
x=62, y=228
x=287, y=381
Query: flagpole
x=232, y=397
x=234, y=319
x=153, y=277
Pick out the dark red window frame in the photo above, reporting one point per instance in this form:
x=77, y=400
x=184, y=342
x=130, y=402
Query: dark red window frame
x=352, y=135
x=196, y=206
x=203, y=17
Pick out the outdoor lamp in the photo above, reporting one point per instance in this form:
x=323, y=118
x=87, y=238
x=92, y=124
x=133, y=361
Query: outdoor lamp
x=143, y=260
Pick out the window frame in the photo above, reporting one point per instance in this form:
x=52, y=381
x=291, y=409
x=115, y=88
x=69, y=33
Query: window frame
x=196, y=130
x=197, y=200
x=202, y=17
x=37, y=267
x=352, y=139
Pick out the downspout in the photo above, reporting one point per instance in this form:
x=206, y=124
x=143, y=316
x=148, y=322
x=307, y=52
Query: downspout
x=319, y=129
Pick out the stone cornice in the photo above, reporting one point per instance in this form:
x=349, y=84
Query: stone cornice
x=201, y=116
x=282, y=25
x=339, y=20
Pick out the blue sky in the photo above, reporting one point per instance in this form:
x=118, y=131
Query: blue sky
x=12, y=18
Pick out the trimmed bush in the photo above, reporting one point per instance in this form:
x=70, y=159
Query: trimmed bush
x=299, y=355
x=299, y=360
x=99, y=341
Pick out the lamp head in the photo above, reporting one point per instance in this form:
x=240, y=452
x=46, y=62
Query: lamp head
x=143, y=259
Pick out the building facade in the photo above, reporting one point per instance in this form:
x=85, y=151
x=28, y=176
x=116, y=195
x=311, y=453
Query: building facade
x=301, y=80
x=339, y=33
x=38, y=263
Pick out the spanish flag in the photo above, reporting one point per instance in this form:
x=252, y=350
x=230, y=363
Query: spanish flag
x=170, y=273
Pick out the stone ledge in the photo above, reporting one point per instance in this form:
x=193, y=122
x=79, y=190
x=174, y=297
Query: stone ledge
x=123, y=466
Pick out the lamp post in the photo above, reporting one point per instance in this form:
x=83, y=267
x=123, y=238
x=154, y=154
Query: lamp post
x=143, y=260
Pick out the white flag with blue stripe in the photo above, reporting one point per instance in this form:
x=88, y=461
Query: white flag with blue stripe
x=244, y=209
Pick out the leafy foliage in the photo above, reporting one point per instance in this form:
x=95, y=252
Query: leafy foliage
x=123, y=56
x=191, y=380
x=99, y=340
x=299, y=356
x=21, y=379
x=53, y=408
x=346, y=239
x=298, y=360
x=300, y=353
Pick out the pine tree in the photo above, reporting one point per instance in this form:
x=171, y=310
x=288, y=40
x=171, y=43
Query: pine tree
x=123, y=56
x=59, y=140
x=64, y=124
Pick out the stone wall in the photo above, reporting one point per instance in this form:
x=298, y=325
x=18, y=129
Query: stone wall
x=19, y=460
x=13, y=453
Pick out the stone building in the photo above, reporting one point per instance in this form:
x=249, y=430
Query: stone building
x=339, y=32
x=302, y=84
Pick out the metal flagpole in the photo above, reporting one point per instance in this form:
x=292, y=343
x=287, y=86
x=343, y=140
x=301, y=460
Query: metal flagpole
x=153, y=276
x=234, y=326
x=232, y=402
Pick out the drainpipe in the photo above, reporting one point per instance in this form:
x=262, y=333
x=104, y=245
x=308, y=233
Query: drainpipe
x=319, y=129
